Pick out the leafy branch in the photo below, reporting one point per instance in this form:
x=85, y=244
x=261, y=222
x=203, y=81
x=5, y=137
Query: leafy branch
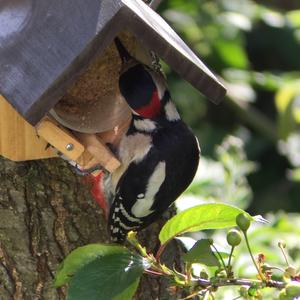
x=92, y=271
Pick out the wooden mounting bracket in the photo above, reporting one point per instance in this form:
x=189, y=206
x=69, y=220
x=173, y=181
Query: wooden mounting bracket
x=60, y=138
x=86, y=149
x=100, y=152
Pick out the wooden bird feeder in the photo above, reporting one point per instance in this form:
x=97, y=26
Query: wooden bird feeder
x=59, y=74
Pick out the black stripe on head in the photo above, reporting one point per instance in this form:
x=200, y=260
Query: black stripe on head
x=137, y=86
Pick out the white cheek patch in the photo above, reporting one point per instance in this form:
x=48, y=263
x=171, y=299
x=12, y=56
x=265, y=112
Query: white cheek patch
x=144, y=125
x=171, y=112
x=132, y=148
x=142, y=207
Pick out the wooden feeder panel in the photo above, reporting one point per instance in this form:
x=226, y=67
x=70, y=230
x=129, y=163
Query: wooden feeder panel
x=18, y=139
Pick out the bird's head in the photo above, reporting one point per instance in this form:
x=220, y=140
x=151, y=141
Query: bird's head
x=140, y=91
x=140, y=86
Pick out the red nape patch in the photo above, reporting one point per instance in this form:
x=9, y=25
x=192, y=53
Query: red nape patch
x=152, y=109
x=98, y=194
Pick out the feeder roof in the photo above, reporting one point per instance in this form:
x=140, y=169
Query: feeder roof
x=45, y=44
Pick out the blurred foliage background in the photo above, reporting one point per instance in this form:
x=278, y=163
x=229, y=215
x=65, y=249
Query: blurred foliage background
x=251, y=142
x=255, y=48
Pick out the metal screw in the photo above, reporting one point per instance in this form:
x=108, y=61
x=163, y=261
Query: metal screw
x=70, y=147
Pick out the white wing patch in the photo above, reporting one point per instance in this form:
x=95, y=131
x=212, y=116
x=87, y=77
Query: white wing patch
x=171, y=112
x=142, y=207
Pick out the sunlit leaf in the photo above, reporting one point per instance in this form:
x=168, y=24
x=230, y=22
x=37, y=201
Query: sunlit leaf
x=291, y=148
x=241, y=92
x=294, y=175
x=284, y=103
x=274, y=19
x=236, y=19
x=265, y=80
x=206, y=216
x=232, y=53
x=294, y=17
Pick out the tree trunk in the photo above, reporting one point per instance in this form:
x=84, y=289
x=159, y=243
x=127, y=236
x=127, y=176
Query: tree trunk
x=47, y=211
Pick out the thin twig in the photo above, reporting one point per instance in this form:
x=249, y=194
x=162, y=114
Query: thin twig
x=151, y=272
x=160, y=251
x=190, y=296
x=238, y=297
x=284, y=255
x=262, y=277
x=236, y=282
x=221, y=258
x=230, y=256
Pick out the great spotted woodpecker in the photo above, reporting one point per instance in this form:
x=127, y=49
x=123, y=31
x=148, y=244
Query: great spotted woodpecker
x=159, y=153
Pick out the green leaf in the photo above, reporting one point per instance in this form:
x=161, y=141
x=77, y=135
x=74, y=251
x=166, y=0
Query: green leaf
x=202, y=253
x=294, y=17
x=232, y=53
x=288, y=112
x=80, y=257
x=223, y=254
x=206, y=216
x=106, y=277
x=129, y=292
x=294, y=175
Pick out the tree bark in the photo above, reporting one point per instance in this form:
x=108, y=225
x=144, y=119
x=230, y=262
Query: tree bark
x=46, y=212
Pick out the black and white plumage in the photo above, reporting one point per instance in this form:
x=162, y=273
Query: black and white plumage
x=159, y=153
